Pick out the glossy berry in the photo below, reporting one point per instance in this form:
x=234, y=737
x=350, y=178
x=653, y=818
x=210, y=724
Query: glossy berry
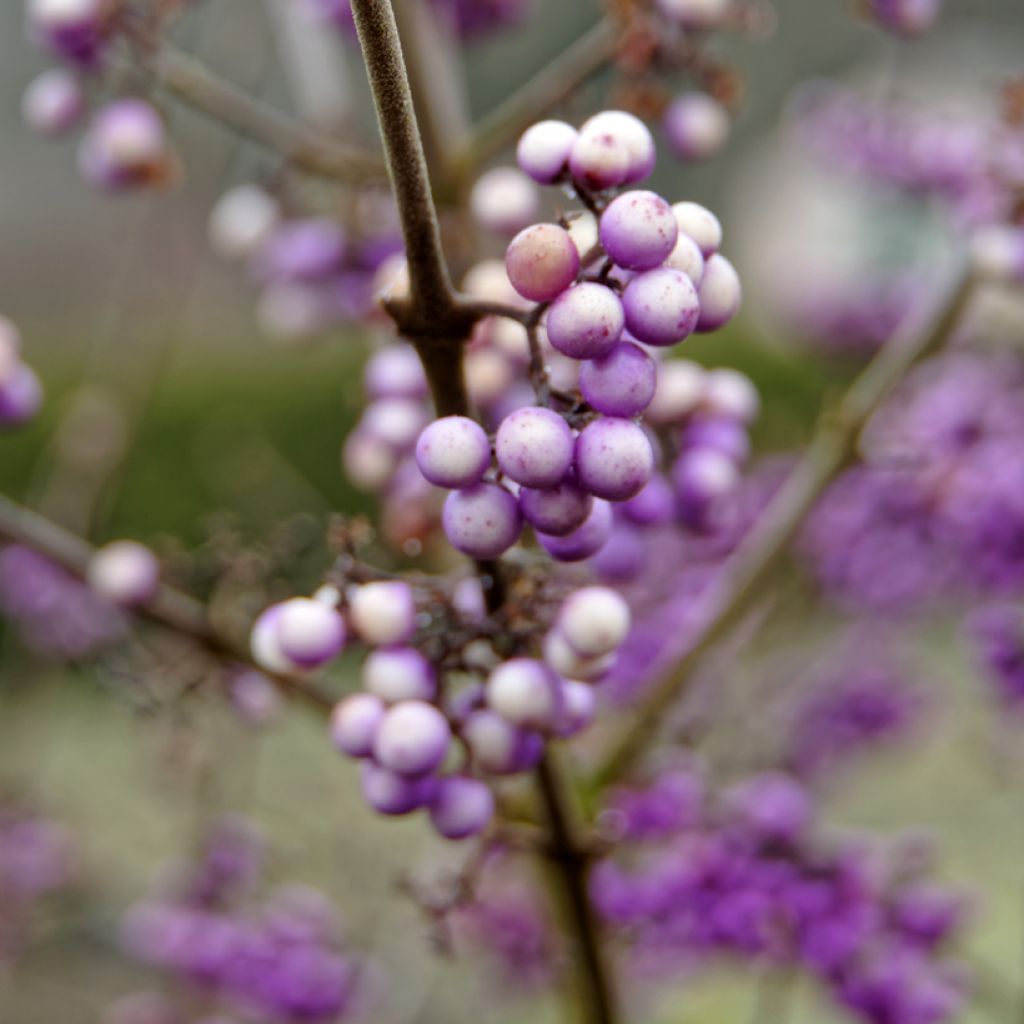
x=497, y=746
x=594, y=620
x=653, y=506
x=310, y=632
x=560, y=655
x=661, y=307
x=700, y=224
x=621, y=383
x=543, y=150
x=585, y=321
x=557, y=510
x=265, y=645
x=242, y=221
x=633, y=134
x=696, y=126
x=638, y=230
x=583, y=542
x=399, y=673
x=482, y=521
x=54, y=102
x=462, y=807
x=730, y=394
x=383, y=613
x=504, y=200
x=453, y=452
x=413, y=738
x=354, y=723
x=579, y=708
x=720, y=294
x=124, y=572
x=542, y=262
x=390, y=793
x=600, y=159
x=525, y=692
x=614, y=458
x=534, y=447
x=687, y=257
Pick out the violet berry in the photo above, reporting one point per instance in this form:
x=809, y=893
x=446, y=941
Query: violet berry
x=600, y=159
x=504, y=200
x=661, y=307
x=534, y=447
x=638, y=230
x=585, y=321
x=633, y=134
x=383, y=613
x=594, y=620
x=54, y=102
x=498, y=746
x=700, y=224
x=584, y=541
x=622, y=383
x=544, y=148
x=483, y=521
x=399, y=673
x=390, y=793
x=413, y=738
x=462, y=807
x=124, y=572
x=542, y=262
x=720, y=294
x=526, y=692
x=310, y=632
x=558, y=510
x=696, y=126
x=453, y=452
x=354, y=723
x=614, y=458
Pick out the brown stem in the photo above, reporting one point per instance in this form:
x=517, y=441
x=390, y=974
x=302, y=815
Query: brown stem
x=168, y=607
x=570, y=860
x=303, y=146
x=750, y=567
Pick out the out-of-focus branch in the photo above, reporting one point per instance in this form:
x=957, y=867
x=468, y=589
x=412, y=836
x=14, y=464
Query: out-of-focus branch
x=539, y=96
x=745, y=573
x=168, y=607
x=570, y=859
x=302, y=145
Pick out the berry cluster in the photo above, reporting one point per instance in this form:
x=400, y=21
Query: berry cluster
x=312, y=274
x=414, y=712
x=607, y=306
x=280, y=959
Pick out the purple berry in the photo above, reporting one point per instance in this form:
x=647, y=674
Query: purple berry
x=583, y=542
x=54, y=102
x=498, y=747
x=504, y=200
x=399, y=673
x=600, y=159
x=624, y=558
x=310, y=632
x=542, y=262
x=354, y=723
x=653, y=506
x=621, y=383
x=614, y=458
x=632, y=133
x=721, y=434
x=525, y=692
x=383, y=613
x=557, y=510
x=661, y=307
x=578, y=709
x=413, y=738
x=586, y=321
x=700, y=224
x=595, y=621
x=125, y=146
x=534, y=447
x=462, y=807
x=482, y=521
x=559, y=654
x=687, y=257
x=124, y=572
x=543, y=150
x=638, y=230
x=696, y=126
x=720, y=294
x=453, y=452
x=395, y=371
x=392, y=794
x=21, y=395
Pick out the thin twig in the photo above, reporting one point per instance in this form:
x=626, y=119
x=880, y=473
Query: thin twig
x=750, y=567
x=573, y=67
x=570, y=860
x=168, y=607
x=302, y=145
